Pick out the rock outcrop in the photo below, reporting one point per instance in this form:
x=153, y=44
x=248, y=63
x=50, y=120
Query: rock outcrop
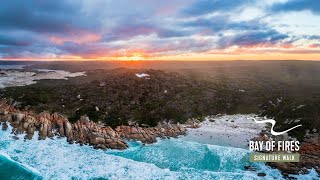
x=149, y=135
x=83, y=131
x=193, y=123
x=309, y=155
x=49, y=125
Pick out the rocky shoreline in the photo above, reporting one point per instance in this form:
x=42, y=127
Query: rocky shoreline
x=83, y=131
x=309, y=154
x=86, y=132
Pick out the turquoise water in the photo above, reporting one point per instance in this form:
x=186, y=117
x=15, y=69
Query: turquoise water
x=167, y=159
x=10, y=169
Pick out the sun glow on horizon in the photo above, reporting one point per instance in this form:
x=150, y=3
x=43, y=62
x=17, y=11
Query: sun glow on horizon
x=186, y=57
x=134, y=56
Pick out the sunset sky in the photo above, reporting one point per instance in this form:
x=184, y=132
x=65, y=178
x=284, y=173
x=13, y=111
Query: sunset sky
x=159, y=29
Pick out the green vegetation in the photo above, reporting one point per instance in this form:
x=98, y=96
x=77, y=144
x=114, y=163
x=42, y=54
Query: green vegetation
x=117, y=96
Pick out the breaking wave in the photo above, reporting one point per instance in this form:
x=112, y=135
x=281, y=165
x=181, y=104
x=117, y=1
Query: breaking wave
x=167, y=159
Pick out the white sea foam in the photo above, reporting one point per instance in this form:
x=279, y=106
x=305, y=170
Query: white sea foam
x=5, y=155
x=25, y=166
x=166, y=159
x=56, y=159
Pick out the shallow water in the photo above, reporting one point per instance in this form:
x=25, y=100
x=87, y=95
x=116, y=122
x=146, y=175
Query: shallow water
x=12, y=78
x=166, y=159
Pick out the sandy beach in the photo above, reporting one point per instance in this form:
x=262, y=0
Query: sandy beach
x=226, y=130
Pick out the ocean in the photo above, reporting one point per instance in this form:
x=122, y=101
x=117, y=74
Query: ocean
x=166, y=159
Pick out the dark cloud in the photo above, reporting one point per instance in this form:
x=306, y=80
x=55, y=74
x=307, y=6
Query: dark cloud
x=86, y=50
x=39, y=16
x=13, y=41
x=247, y=33
x=128, y=30
x=27, y=26
x=91, y=27
x=19, y=38
x=312, y=37
x=167, y=47
x=297, y=5
x=201, y=7
x=35, y=51
x=221, y=23
x=252, y=38
x=169, y=33
x=288, y=51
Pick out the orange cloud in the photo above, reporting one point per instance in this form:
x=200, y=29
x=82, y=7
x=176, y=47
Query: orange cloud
x=263, y=51
x=78, y=38
x=314, y=45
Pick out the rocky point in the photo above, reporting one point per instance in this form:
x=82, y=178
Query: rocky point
x=83, y=131
x=309, y=154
